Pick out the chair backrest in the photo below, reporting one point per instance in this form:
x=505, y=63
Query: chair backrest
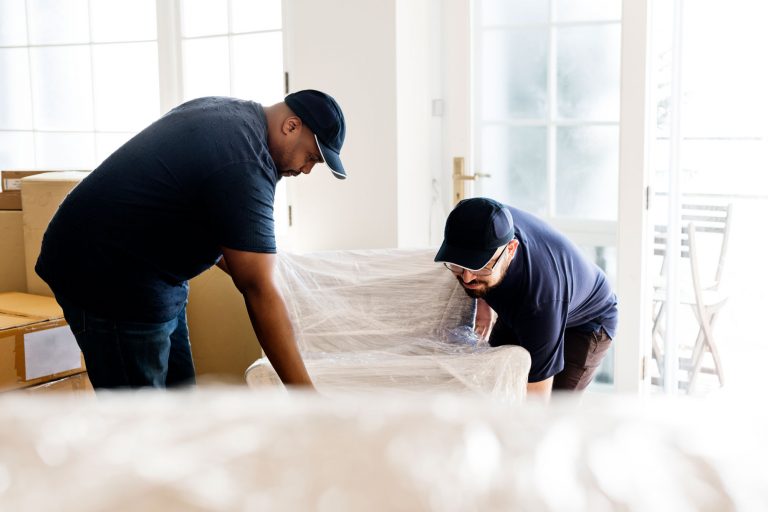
x=711, y=223
x=343, y=301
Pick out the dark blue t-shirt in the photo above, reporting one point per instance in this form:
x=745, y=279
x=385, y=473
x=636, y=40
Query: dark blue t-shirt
x=550, y=287
x=157, y=211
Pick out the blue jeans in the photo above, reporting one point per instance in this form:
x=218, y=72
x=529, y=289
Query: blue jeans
x=120, y=354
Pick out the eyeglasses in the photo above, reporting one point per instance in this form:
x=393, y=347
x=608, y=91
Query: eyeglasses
x=485, y=271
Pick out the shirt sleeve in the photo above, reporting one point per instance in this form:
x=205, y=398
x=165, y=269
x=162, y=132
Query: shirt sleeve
x=541, y=332
x=238, y=201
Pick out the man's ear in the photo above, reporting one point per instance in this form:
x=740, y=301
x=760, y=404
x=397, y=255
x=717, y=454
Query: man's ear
x=292, y=125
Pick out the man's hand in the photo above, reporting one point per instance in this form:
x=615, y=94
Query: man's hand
x=483, y=319
x=253, y=274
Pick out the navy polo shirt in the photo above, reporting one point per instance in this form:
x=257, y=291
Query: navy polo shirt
x=157, y=212
x=550, y=286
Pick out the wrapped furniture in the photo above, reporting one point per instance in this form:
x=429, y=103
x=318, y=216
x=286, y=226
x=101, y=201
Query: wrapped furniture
x=234, y=449
x=389, y=319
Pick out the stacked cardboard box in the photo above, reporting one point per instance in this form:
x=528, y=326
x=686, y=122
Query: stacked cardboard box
x=36, y=345
x=223, y=341
x=41, y=195
x=12, y=270
x=10, y=188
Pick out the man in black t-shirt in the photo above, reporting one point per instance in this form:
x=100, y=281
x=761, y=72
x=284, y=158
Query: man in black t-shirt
x=548, y=297
x=194, y=189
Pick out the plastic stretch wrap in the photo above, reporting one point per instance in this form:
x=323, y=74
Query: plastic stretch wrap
x=234, y=449
x=389, y=318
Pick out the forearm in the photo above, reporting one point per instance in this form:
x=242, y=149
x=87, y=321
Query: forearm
x=272, y=326
x=540, y=390
x=483, y=319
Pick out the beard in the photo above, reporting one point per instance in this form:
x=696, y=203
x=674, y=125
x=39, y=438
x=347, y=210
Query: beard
x=281, y=158
x=478, y=293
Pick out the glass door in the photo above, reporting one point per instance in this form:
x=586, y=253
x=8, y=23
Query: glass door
x=546, y=117
x=709, y=158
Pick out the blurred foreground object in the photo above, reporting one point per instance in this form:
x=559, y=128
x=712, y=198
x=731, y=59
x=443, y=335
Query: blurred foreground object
x=236, y=449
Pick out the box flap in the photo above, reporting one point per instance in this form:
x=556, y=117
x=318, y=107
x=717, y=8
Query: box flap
x=25, y=304
x=57, y=176
x=14, y=321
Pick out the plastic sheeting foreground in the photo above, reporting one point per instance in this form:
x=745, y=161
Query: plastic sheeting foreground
x=235, y=449
x=389, y=318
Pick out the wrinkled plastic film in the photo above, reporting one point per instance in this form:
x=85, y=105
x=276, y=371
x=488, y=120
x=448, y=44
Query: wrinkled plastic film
x=392, y=319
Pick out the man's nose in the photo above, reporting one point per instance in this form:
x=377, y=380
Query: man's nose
x=307, y=168
x=467, y=276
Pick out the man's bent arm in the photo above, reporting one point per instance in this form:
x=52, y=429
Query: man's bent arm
x=253, y=274
x=541, y=389
x=483, y=319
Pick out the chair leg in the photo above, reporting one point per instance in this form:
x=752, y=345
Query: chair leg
x=657, y=338
x=713, y=348
x=697, y=358
x=705, y=341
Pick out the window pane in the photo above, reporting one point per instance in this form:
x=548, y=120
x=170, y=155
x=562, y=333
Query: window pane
x=587, y=10
x=587, y=172
x=13, y=23
x=257, y=67
x=513, y=77
x=65, y=150
x=250, y=16
x=17, y=150
x=15, y=95
x=61, y=88
x=125, y=86
x=206, y=67
x=204, y=17
x=123, y=20
x=515, y=157
x=57, y=21
x=588, y=72
x=107, y=143
x=504, y=12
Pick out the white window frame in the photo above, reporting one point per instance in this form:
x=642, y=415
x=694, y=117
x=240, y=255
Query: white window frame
x=584, y=232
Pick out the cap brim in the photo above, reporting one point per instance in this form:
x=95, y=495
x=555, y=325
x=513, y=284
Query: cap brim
x=332, y=160
x=471, y=259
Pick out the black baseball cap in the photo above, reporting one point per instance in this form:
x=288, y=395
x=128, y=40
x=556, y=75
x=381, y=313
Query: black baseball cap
x=323, y=115
x=474, y=231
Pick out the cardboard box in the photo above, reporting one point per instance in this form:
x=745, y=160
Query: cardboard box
x=78, y=384
x=11, y=180
x=10, y=200
x=10, y=188
x=41, y=196
x=12, y=270
x=223, y=342
x=36, y=345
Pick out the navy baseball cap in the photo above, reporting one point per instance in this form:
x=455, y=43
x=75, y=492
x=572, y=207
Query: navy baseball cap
x=474, y=231
x=324, y=117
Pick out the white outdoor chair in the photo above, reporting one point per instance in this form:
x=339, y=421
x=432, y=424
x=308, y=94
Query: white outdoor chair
x=705, y=233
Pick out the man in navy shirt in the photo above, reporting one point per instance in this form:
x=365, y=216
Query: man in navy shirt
x=548, y=297
x=194, y=189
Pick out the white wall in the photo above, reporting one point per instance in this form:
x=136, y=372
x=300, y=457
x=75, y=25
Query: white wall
x=414, y=121
x=373, y=56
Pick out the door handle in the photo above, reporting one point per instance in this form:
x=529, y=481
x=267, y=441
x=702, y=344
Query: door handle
x=460, y=176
